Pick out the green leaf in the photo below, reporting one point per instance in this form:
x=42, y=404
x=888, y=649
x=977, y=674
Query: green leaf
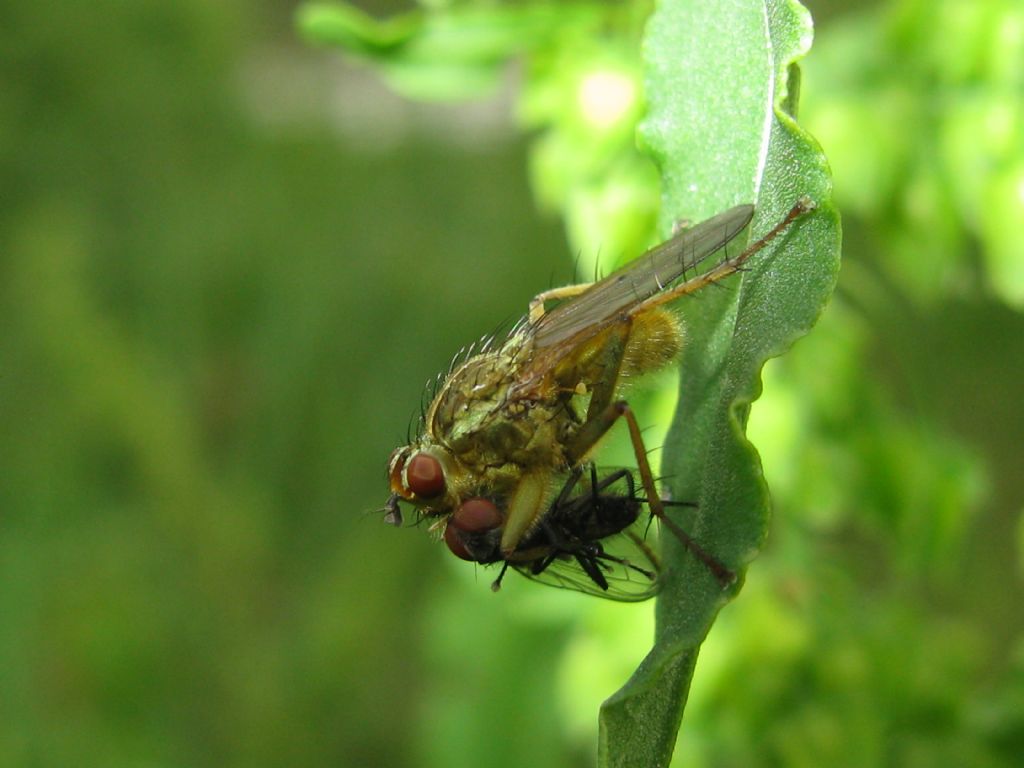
x=721, y=83
x=455, y=53
x=349, y=28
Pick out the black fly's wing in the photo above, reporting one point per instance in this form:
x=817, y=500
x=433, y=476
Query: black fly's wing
x=628, y=566
x=579, y=318
x=592, y=539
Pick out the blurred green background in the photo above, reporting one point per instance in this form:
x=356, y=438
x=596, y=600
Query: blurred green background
x=231, y=261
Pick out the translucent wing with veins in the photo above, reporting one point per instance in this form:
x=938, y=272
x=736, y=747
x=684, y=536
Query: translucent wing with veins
x=600, y=305
x=624, y=567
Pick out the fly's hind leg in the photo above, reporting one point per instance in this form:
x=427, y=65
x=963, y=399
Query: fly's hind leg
x=726, y=267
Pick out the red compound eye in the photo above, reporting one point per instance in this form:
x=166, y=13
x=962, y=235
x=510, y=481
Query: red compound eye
x=476, y=516
x=472, y=531
x=424, y=476
x=455, y=542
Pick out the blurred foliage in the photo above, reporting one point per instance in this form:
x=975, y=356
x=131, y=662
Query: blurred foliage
x=580, y=97
x=207, y=356
x=935, y=90
x=214, y=337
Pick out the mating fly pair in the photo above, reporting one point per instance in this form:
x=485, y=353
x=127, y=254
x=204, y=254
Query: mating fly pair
x=499, y=468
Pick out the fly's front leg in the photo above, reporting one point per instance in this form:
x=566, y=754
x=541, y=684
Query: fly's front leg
x=524, y=508
x=566, y=292
x=595, y=429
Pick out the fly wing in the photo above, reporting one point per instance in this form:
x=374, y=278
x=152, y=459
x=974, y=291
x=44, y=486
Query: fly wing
x=647, y=275
x=628, y=567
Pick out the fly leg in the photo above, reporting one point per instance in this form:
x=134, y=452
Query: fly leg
x=609, y=480
x=524, y=508
x=602, y=413
x=727, y=266
x=596, y=428
x=565, y=292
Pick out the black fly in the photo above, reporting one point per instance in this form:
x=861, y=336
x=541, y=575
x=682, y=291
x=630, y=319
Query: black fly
x=590, y=539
